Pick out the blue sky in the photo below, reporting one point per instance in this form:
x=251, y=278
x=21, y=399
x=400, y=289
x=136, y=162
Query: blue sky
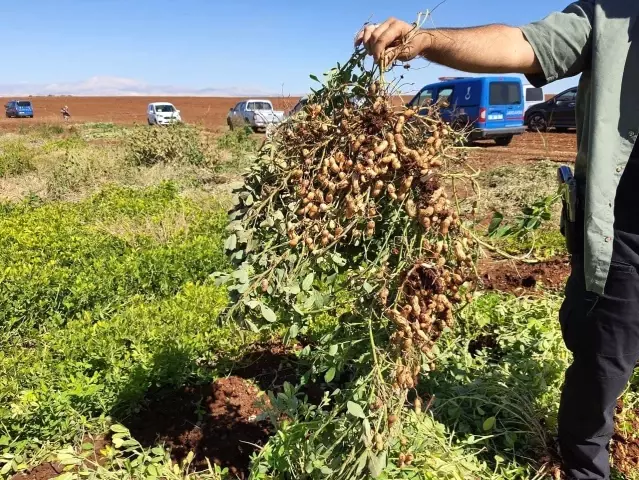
x=224, y=46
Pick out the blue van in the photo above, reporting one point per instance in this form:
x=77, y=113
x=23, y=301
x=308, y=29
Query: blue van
x=19, y=108
x=492, y=106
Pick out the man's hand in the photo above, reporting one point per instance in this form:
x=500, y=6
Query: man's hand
x=391, y=40
x=487, y=49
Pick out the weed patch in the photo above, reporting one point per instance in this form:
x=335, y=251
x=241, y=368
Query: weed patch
x=15, y=158
x=171, y=144
x=60, y=262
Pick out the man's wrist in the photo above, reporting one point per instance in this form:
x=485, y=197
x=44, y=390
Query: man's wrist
x=425, y=42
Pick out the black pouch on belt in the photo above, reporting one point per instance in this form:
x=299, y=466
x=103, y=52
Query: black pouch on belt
x=568, y=190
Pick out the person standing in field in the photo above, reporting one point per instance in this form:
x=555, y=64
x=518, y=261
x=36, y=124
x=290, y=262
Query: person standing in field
x=598, y=39
x=65, y=113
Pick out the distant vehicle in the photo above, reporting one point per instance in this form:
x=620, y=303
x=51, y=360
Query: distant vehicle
x=559, y=112
x=257, y=114
x=492, y=106
x=162, y=113
x=298, y=106
x=532, y=96
x=18, y=109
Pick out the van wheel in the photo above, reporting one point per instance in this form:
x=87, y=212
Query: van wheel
x=537, y=123
x=230, y=124
x=504, y=141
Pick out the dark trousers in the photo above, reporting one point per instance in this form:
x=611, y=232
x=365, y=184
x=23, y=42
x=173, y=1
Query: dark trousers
x=602, y=331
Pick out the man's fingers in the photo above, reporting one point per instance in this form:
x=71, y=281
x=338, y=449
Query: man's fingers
x=359, y=38
x=365, y=35
x=385, y=39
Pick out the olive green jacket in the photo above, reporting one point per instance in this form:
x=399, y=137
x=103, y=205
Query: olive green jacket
x=600, y=40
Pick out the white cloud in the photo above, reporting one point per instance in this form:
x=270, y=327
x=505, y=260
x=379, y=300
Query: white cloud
x=119, y=86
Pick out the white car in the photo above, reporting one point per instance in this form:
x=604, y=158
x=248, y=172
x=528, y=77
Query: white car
x=257, y=114
x=162, y=113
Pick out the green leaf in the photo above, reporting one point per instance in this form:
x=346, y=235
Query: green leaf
x=332, y=350
x=152, y=471
x=314, y=78
x=489, y=424
x=361, y=463
x=367, y=428
x=293, y=289
x=355, y=409
x=251, y=325
x=338, y=260
x=64, y=476
x=242, y=275
x=330, y=375
x=308, y=282
x=252, y=304
x=376, y=464
x=231, y=242
x=495, y=223
x=293, y=331
x=119, y=429
x=368, y=287
x=268, y=314
x=158, y=451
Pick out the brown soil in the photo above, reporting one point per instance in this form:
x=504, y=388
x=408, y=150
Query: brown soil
x=41, y=472
x=625, y=443
x=208, y=111
x=529, y=147
x=50, y=470
x=217, y=421
x=521, y=278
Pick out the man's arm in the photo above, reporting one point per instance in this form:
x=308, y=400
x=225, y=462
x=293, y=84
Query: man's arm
x=487, y=49
x=556, y=47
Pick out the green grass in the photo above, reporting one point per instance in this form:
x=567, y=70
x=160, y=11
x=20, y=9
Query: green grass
x=61, y=382
x=507, y=190
x=61, y=260
x=104, y=287
x=15, y=158
x=106, y=298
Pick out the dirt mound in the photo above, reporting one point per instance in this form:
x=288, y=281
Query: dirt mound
x=522, y=278
x=217, y=421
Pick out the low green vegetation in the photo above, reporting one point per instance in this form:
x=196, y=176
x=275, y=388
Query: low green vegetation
x=524, y=209
x=108, y=239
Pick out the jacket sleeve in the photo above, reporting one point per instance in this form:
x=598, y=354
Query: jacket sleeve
x=562, y=42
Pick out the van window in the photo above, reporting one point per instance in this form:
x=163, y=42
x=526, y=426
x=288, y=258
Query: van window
x=505, y=93
x=534, y=95
x=24, y=104
x=424, y=98
x=444, y=96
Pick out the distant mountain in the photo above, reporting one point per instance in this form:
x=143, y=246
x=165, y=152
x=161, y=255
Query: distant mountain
x=118, y=86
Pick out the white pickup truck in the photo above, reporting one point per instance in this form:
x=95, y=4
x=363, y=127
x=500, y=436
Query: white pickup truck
x=257, y=114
